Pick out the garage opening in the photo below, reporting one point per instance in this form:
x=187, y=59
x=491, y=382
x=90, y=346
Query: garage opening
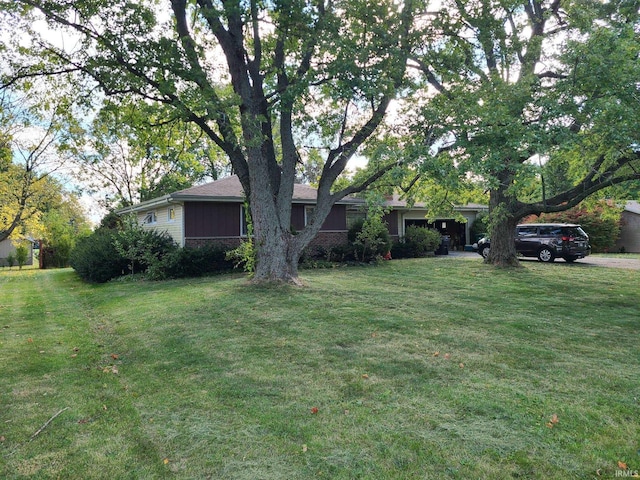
x=454, y=229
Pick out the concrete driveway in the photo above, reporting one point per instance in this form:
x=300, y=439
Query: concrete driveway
x=593, y=261
x=614, y=262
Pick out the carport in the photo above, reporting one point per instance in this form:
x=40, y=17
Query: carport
x=456, y=231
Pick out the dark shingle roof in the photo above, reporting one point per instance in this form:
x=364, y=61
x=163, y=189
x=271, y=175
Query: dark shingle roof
x=230, y=188
x=227, y=189
x=395, y=201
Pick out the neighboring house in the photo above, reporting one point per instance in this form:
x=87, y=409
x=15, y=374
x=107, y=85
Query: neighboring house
x=629, y=240
x=7, y=248
x=214, y=213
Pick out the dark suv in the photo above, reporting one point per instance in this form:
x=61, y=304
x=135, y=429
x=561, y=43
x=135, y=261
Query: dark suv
x=547, y=241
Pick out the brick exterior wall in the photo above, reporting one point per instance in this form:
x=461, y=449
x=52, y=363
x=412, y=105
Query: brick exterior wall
x=200, y=242
x=323, y=240
x=328, y=240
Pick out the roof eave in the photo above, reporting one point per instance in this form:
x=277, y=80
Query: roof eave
x=165, y=199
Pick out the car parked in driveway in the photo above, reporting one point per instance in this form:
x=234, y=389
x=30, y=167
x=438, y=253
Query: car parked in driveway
x=546, y=241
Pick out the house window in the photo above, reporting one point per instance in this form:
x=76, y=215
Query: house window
x=308, y=213
x=171, y=214
x=355, y=216
x=150, y=218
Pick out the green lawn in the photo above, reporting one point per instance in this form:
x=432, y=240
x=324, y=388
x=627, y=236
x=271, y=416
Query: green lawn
x=630, y=256
x=431, y=368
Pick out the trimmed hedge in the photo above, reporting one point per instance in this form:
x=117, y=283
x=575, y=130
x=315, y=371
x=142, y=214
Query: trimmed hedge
x=191, y=262
x=96, y=259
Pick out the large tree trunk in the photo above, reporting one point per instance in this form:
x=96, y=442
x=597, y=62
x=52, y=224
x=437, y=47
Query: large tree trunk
x=503, y=225
x=503, y=250
x=277, y=258
x=277, y=249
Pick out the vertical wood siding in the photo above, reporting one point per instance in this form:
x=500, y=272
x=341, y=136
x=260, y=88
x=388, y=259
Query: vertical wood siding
x=336, y=220
x=212, y=219
x=391, y=219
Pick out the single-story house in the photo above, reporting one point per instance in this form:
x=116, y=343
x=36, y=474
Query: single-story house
x=214, y=212
x=8, y=248
x=629, y=240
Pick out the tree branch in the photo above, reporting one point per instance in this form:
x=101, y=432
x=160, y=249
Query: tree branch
x=592, y=183
x=26, y=75
x=47, y=423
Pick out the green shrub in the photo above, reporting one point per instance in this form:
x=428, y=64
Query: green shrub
x=191, y=262
x=316, y=264
x=341, y=253
x=316, y=252
x=601, y=222
x=422, y=240
x=95, y=257
x=417, y=242
x=479, y=227
x=142, y=248
x=243, y=256
x=370, y=238
x=22, y=255
x=355, y=228
x=11, y=260
x=400, y=249
x=106, y=254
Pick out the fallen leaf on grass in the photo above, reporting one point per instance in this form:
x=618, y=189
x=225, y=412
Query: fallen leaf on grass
x=2, y=439
x=114, y=356
x=436, y=354
x=622, y=465
x=553, y=421
x=461, y=365
x=365, y=376
x=447, y=356
x=165, y=461
x=29, y=340
x=314, y=410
